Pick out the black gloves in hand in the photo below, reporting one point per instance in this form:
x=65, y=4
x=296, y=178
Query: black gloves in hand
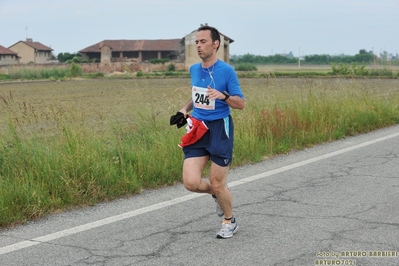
x=178, y=119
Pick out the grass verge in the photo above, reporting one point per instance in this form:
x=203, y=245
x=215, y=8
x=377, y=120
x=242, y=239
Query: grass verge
x=68, y=144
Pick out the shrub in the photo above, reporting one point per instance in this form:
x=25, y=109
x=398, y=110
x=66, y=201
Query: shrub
x=4, y=77
x=359, y=70
x=352, y=69
x=245, y=67
x=75, y=59
x=341, y=69
x=95, y=75
x=159, y=61
x=75, y=70
x=384, y=72
x=171, y=67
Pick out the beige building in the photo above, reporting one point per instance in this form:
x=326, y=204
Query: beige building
x=132, y=50
x=8, y=57
x=181, y=50
x=32, y=52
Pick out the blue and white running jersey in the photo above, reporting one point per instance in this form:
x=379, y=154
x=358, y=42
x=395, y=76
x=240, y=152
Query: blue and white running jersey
x=220, y=76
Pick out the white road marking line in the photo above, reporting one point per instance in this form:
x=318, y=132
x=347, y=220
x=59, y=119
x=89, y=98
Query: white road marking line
x=88, y=226
x=126, y=215
x=312, y=160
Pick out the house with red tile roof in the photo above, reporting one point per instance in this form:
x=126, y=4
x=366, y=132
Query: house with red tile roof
x=32, y=52
x=132, y=50
x=183, y=50
x=8, y=57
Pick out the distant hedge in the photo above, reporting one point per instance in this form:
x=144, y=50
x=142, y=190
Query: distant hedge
x=245, y=67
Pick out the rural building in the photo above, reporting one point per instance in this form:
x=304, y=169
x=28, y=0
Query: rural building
x=132, y=50
x=183, y=50
x=32, y=52
x=8, y=57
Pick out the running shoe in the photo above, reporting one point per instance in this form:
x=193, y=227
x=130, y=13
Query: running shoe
x=228, y=229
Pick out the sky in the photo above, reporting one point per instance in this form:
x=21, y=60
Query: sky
x=258, y=27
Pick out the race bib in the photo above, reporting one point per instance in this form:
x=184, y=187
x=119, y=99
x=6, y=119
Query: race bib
x=200, y=100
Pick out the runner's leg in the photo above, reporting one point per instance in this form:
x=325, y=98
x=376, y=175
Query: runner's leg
x=192, y=175
x=218, y=177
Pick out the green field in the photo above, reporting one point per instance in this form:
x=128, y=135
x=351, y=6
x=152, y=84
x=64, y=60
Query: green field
x=78, y=142
x=326, y=70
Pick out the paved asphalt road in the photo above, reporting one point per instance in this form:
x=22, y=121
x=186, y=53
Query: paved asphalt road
x=334, y=204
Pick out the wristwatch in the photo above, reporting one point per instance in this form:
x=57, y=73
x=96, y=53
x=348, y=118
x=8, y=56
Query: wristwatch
x=227, y=96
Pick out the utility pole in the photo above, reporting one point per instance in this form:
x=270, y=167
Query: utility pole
x=299, y=58
x=373, y=55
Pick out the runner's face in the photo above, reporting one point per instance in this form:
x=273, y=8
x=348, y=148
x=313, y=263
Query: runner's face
x=205, y=46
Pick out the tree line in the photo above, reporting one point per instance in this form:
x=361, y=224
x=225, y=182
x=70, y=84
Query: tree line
x=363, y=57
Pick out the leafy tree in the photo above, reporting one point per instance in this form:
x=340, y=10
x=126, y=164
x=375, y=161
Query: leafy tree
x=64, y=57
x=323, y=59
x=384, y=56
x=259, y=59
x=75, y=59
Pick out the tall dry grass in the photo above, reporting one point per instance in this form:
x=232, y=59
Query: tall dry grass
x=67, y=144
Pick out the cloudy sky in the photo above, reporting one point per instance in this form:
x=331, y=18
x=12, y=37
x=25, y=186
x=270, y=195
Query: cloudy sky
x=260, y=27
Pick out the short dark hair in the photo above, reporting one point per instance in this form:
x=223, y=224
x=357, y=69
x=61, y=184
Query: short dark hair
x=215, y=35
